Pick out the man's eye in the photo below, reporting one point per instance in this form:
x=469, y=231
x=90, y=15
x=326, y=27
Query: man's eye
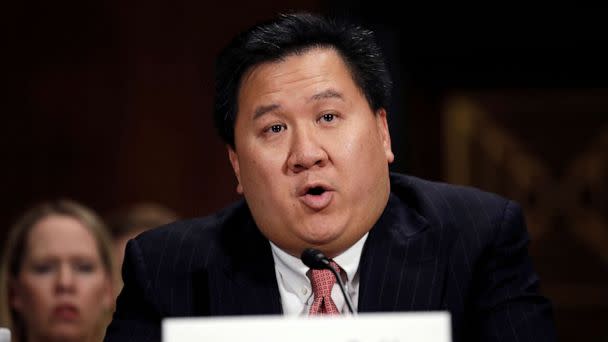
x=276, y=128
x=328, y=117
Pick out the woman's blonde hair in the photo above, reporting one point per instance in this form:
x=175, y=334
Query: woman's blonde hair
x=14, y=251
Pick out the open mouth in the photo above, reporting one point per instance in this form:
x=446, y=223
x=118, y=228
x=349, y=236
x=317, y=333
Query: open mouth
x=317, y=197
x=315, y=191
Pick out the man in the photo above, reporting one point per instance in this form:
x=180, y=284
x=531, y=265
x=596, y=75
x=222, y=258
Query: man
x=300, y=102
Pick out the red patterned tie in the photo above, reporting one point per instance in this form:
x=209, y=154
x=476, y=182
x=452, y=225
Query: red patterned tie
x=322, y=283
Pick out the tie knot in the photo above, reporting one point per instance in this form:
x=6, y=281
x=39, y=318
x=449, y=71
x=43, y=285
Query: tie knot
x=323, y=280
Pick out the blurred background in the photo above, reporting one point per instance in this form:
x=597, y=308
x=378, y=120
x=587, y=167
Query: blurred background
x=109, y=103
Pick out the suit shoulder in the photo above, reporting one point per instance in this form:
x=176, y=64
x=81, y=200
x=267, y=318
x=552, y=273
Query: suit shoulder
x=185, y=239
x=458, y=208
x=440, y=194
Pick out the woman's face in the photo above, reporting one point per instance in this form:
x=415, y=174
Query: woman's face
x=63, y=289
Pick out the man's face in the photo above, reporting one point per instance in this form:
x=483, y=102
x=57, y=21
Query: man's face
x=310, y=156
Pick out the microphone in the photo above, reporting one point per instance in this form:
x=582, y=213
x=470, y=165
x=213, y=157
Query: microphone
x=315, y=259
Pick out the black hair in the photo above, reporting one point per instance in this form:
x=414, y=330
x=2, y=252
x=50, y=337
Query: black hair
x=296, y=33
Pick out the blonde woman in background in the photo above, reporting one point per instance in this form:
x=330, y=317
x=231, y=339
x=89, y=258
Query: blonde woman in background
x=56, y=275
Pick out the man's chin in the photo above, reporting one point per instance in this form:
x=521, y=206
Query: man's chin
x=321, y=236
x=328, y=244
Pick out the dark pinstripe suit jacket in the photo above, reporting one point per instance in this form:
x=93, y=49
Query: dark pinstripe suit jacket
x=435, y=247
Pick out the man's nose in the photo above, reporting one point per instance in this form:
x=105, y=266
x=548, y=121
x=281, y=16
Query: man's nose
x=306, y=152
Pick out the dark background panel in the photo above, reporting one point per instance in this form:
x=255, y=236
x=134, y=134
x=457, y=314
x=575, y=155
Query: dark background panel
x=109, y=103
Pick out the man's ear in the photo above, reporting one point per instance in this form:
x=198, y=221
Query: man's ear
x=384, y=134
x=234, y=161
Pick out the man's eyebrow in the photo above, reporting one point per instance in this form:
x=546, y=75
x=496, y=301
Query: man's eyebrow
x=326, y=94
x=261, y=110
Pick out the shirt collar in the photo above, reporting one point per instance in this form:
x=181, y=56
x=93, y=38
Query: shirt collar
x=292, y=270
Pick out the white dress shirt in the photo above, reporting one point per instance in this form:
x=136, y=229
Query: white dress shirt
x=295, y=287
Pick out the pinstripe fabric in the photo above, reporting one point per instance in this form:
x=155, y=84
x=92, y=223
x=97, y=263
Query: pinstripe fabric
x=435, y=247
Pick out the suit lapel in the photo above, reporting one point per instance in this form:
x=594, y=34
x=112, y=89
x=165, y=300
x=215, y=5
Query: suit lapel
x=401, y=268
x=252, y=287
x=244, y=281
